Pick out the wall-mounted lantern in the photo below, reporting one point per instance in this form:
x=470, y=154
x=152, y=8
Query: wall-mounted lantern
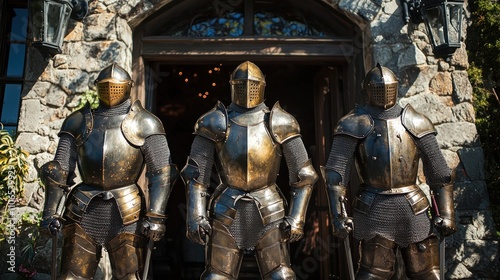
x=443, y=19
x=49, y=21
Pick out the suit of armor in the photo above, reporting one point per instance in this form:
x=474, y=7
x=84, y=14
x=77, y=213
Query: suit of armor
x=111, y=146
x=247, y=212
x=386, y=143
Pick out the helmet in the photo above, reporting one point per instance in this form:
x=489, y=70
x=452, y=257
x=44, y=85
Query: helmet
x=247, y=85
x=381, y=87
x=113, y=85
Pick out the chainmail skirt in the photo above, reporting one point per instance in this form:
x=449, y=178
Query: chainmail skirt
x=102, y=221
x=247, y=227
x=392, y=217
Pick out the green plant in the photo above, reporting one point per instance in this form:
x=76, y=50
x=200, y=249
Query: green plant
x=20, y=233
x=485, y=79
x=89, y=96
x=13, y=172
x=28, y=235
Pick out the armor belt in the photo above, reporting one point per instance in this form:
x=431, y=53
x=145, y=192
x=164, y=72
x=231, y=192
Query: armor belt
x=413, y=194
x=128, y=199
x=268, y=200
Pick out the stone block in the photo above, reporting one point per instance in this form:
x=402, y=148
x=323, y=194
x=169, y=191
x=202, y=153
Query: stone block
x=471, y=196
x=462, y=134
x=473, y=162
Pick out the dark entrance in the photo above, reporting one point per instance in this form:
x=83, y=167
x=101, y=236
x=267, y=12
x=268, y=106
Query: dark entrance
x=313, y=93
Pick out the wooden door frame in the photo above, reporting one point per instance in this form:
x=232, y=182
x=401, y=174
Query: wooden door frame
x=322, y=51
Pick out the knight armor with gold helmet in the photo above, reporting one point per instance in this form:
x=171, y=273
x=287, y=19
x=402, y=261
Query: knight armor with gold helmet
x=111, y=145
x=247, y=212
x=386, y=142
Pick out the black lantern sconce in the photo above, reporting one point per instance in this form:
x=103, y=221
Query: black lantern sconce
x=443, y=20
x=49, y=21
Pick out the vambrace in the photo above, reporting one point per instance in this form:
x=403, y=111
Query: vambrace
x=54, y=178
x=336, y=193
x=300, y=194
x=196, y=192
x=443, y=194
x=160, y=187
x=334, y=190
x=196, y=199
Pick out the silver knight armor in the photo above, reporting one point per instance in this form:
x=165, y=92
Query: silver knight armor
x=247, y=212
x=110, y=146
x=386, y=142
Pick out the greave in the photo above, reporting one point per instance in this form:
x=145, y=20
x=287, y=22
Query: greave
x=422, y=259
x=273, y=256
x=80, y=254
x=126, y=254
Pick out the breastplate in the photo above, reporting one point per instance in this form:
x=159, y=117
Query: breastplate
x=106, y=158
x=387, y=158
x=249, y=159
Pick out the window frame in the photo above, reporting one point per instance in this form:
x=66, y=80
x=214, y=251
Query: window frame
x=6, y=42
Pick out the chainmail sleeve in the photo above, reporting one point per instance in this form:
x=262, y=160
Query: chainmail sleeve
x=295, y=156
x=66, y=153
x=202, y=151
x=156, y=152
x=435, y=168
x=342, y=155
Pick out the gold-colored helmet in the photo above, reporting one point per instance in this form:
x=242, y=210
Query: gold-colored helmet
x=247, y=85
x=381, y=87
x=113, y=85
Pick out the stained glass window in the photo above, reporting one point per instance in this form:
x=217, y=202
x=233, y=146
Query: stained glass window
x=231, y=23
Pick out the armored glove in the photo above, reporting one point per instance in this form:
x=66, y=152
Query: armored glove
x=153, y=228
x=444, y=214
x=198, y=229
x=51, y=226
x=292, y=231
x=342, y=227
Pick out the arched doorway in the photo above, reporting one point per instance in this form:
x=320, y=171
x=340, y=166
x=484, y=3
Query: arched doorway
x=183, y=55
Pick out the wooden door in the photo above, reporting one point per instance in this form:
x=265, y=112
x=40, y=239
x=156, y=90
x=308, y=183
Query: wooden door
x=330, y=104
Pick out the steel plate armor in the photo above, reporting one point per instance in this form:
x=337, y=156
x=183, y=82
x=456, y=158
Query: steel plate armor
x=247, y=211
x=385, y=143
x=110, y=146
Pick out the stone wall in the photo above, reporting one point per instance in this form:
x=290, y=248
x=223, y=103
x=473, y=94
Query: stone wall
x=435, y=87
x=441, y=90
x=52, y=91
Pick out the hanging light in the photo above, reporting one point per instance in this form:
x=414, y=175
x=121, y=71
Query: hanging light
x=443, y=20
x=49, y=21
